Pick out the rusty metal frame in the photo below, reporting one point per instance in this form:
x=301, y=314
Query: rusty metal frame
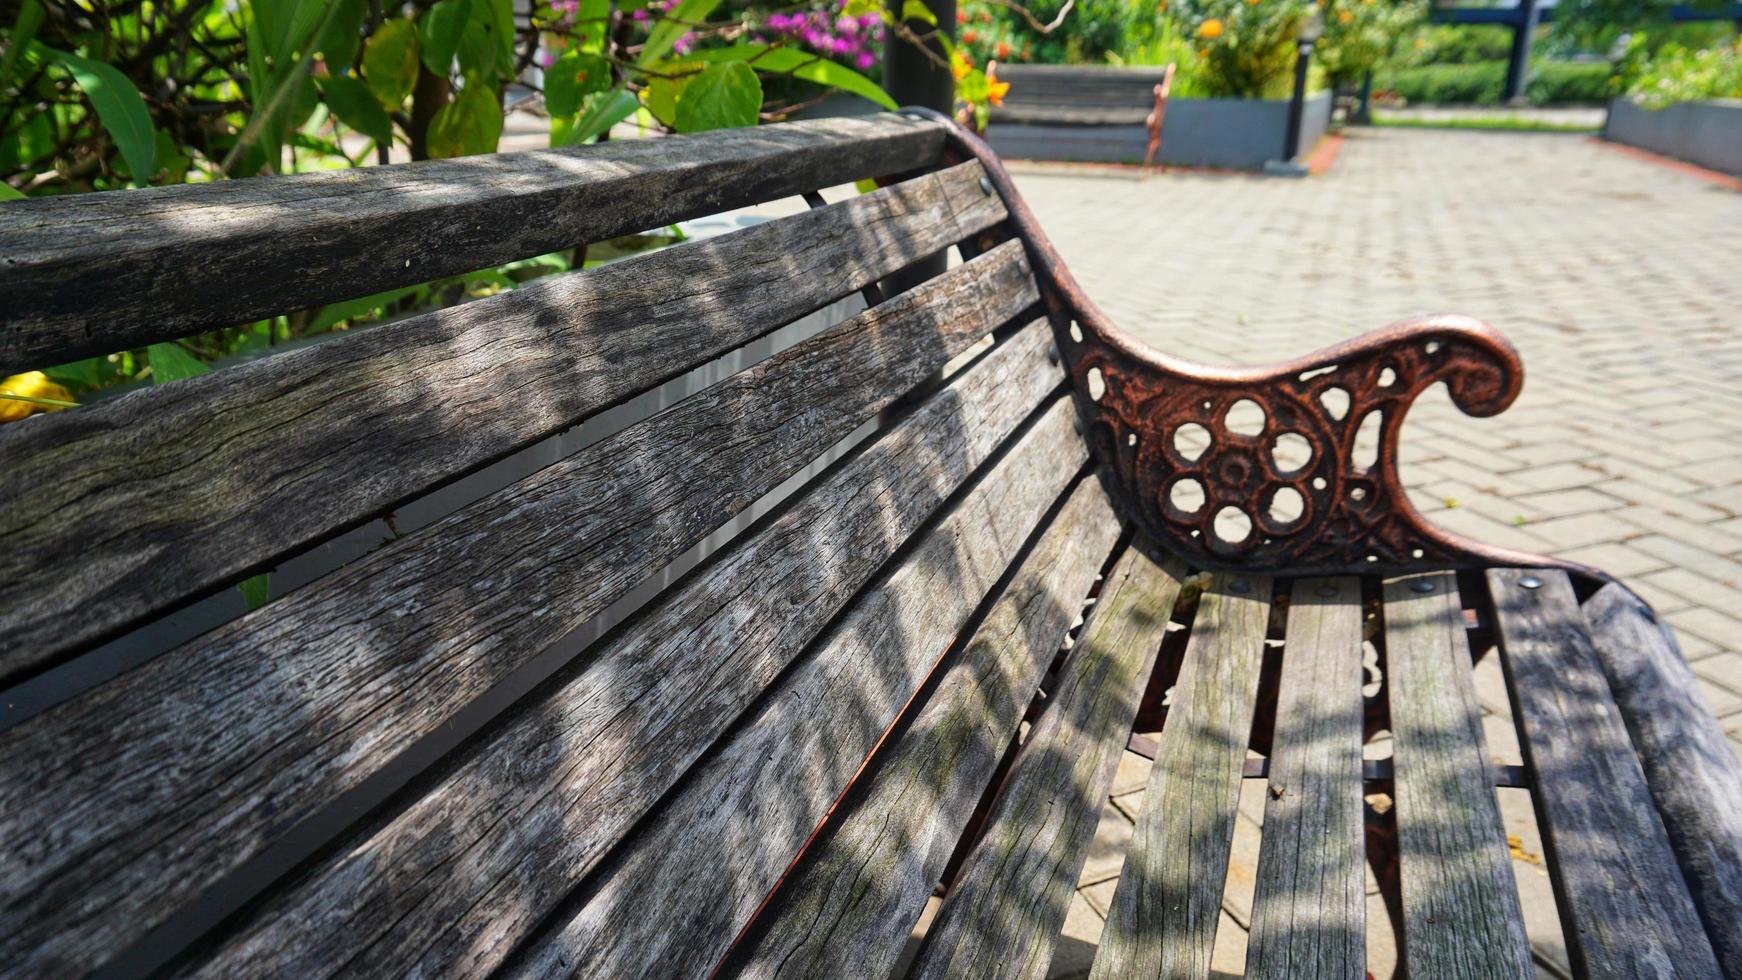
x=1333, y=513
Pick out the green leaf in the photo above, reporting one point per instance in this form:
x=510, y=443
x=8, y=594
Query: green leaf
x=472, y=123
x=357, y=107
x=487, y=44
x=800, y=64
x=172, y=160
x=10, y=193
x=725, y=96
x=343, y=35
x=30, y=17
x=439, y=31
x=256, y=590
x=917, y=10
x=119, y=108
x=351, y=309
x=672, y=26
x=573, y=77
x=390, y=61
x=661, y=95
x=603, y=111
x=862, y=8
x=590, y=20
x=170, y=363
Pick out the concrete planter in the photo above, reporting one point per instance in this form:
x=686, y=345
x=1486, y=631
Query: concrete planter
x=1240, y=134
x=1706, y=133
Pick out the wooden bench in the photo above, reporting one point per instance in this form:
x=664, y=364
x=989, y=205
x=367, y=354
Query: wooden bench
x=911, y=680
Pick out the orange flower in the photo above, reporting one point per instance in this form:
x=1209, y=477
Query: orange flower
x=960, y=66
x=969, y=37
x=1003, y=51
x=1210, y=29
x=995, y=89
x=1344, y=16
x=961, y=16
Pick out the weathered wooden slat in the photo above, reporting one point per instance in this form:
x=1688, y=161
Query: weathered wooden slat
x=1163, y=919
x=98, y=273
x=1309, y=908
x=848, y=908
x=121, y=510
x=679, y=890
x=1460, y=905
x=1003, y=913
x=1625, y=908
x=155, y=785
x=1694, y=777
x=446, y=886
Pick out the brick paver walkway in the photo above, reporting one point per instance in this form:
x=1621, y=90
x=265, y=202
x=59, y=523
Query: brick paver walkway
x=1619, y=281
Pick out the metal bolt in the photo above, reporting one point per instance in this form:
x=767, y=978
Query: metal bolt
x=1530, y=582
x=1328, y=591
x=1239, y=586
x=1052, y=354
x=1022, y=264
x=985, y=185
x=1422, y=585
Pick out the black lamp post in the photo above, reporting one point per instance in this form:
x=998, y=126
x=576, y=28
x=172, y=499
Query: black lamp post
x=918, y=77
x=1310, y=32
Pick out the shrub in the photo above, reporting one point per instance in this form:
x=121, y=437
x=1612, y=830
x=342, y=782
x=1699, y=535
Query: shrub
x=1246, y=48
x=1359, y=34
x=1479, y=83
x=1569, y=81
x=1678, y=74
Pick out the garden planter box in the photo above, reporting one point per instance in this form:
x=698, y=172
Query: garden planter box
x=1706, y=133
x=1056, y=112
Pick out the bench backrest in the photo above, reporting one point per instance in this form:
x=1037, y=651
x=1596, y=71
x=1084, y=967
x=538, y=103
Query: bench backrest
x=1066, y=87
x=336, y=763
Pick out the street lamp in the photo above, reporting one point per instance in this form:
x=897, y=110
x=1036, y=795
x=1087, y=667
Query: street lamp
x=1310, y=32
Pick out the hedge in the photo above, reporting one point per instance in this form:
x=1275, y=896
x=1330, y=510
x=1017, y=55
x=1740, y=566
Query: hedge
x=1484, y=83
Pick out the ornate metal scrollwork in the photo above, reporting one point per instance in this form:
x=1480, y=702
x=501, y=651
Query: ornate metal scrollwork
x=1291, y=463
x=1292, y=466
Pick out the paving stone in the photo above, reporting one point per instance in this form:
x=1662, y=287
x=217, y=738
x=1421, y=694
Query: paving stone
x=1708, y=624
x=1112, y=839
x=1723, y=668
x=1079, y=939
x=1624, y=561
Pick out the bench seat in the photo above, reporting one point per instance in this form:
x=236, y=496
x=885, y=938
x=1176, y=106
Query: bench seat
x=817, y=664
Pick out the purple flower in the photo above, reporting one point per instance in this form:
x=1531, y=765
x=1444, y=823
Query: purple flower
x=639, y=15
x=685, y=43
x=865, y=61
x=545, y=59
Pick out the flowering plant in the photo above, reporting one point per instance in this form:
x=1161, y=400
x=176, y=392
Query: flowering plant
x=1246, y=48
x=1359, y=34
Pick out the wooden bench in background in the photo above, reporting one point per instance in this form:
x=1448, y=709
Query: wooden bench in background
x=914, y=676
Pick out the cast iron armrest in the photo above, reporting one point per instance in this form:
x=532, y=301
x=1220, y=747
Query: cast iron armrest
x=1333, y=512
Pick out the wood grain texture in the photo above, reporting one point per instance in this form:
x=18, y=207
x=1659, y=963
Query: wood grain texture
x=671, y=901
x=1625, y=909
x=1309, y=908
x=98, y=273
x=847, y=909
x=158, y=496
x=1460, y=905
x=1003, y=914
x=1163, y=919
x=149, y=788
x=447, y=887
x=1695, y=780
